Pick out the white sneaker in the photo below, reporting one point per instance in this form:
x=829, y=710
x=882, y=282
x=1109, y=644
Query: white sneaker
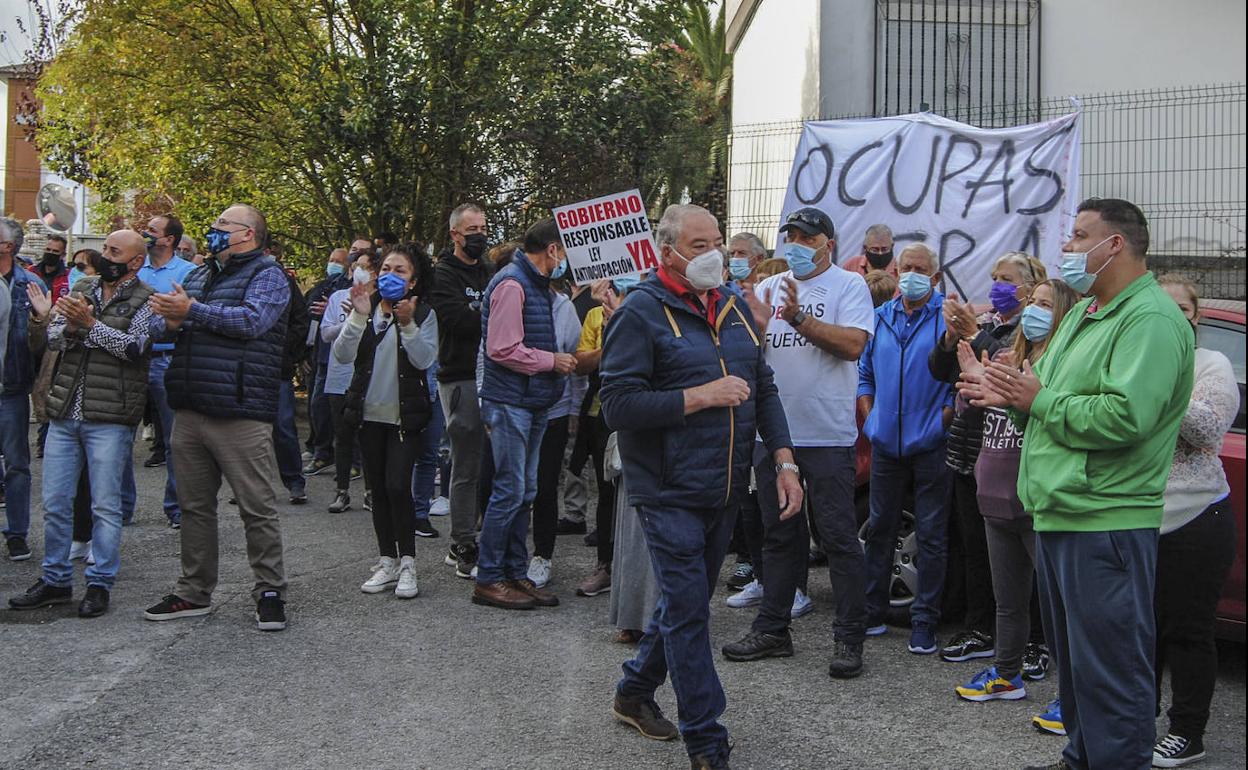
x=440, y=507
x=802, y=605
x=79, y=551
x=406, y=587
x=539, y=571
x=149, y=433
x=750, y=596
x=385, y=573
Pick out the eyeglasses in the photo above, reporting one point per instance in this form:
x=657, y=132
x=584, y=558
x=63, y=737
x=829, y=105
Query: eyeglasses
x=223, y=221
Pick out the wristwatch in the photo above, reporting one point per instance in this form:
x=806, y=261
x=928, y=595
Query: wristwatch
x=788, y=467
x=799, y=318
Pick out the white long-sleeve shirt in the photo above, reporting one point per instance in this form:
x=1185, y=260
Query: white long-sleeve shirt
x=419, y=343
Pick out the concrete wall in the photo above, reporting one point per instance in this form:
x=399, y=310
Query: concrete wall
x=1127, y=45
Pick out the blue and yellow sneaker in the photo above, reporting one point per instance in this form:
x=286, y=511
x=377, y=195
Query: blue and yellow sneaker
x=989, y=685
x=1051, y=720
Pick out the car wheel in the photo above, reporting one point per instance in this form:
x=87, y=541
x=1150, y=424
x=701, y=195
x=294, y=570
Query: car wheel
x=904, y=582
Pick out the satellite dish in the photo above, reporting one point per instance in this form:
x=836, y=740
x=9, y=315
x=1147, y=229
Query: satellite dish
x=56, y=208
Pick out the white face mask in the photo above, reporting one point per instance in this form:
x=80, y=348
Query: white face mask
x=361, y=276
x=705, y=271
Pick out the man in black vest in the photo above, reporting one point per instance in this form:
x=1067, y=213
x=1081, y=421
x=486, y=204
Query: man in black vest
x=229, y=327
x=100, y=331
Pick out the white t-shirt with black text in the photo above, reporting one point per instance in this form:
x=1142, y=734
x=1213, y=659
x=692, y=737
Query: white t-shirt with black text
x=818, y=389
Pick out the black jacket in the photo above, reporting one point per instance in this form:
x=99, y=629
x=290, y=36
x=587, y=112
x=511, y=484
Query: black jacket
x=296, y=330
x=966, y=432
x=456, y=297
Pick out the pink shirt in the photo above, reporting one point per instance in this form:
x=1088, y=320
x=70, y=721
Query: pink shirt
x=504, y=338
x=860, y=265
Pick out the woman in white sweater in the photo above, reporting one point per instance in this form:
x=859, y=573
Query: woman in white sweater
x=1196, y=548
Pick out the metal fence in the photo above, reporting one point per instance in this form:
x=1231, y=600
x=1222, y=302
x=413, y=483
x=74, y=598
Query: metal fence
x=1178, y=153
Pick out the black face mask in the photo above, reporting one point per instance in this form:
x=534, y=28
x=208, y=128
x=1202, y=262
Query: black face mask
x=880, y=261
x=108, y=270
x=475, y=245
x=51, y=259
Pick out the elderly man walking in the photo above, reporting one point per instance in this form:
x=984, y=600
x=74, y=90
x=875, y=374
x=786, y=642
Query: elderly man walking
x=685, y=384
x=96, y=400
x=229, y=327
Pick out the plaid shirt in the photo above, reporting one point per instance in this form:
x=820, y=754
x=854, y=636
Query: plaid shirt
x=264, y=303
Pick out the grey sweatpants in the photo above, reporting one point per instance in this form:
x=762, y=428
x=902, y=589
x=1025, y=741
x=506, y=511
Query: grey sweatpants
x=1012, y=555
x=466, y=433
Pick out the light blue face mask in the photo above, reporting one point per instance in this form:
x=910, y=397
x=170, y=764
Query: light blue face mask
x=1036, y=323
x=75, y=275
x=739, y=268
x=626, y=284
x=914, y=286
x=1075, y=269
x=801, y=259
x=560, y=270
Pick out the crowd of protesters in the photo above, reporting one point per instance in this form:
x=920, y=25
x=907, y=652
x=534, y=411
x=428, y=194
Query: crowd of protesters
x=1056, y=452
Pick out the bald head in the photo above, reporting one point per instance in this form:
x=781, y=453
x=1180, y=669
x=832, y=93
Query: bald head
x=247, y=228
x=128, y=244
x=125, y=248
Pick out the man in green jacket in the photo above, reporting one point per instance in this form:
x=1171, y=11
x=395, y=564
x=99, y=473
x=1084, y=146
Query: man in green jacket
x=1101, y=411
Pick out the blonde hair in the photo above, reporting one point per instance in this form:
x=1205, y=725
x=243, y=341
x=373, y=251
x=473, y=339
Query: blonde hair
x=883, y=286
x=1188, y=285
x=1033, y=269
x=769, y=267
x=1064, y=298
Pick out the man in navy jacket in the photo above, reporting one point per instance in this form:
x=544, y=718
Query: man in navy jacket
x=685, y=385
x=907, y=412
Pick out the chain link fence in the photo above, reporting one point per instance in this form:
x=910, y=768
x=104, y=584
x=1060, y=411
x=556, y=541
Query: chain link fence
x=1178, y=153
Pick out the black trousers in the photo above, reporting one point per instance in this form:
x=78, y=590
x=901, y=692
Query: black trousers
x=981, y=605
x=1192, y=563
x=389, y=455
x=605, y=515
x=344, y=443
x=546, y=504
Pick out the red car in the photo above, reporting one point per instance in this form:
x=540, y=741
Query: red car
x=1221, y=329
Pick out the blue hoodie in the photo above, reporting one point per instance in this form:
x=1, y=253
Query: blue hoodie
x=19, y=364
x=907, y=417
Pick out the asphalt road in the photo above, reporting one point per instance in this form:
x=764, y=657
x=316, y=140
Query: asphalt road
x=360, y=681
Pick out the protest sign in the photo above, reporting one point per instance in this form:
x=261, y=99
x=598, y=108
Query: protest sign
x=971, y=194
x=607, y=237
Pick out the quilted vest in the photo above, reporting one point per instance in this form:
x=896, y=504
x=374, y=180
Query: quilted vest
x=114, y=391
x=503, y=385
x=415, y=406
x=223, y=376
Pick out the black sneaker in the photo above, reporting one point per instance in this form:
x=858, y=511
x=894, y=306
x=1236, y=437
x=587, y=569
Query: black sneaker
x=1058, y=765
x=742, y=576
x=341, y=503
x=1035, y=662
x=175, y=524
x=18, y=550
x=709, y=762
x=155, y=459
x=758, y=645
x=356, y=473
x=368, y=501
x=173, y=607
x=968, y=645
x=846, y=660
x=271, y=612
x=42, y=595
x=298, y=496
x=425, y=529
x=591, y=539
x=569, y=527
x=463, y=558
x=1176, y=751
x=817, y=558
x=644, y=715
x=95, y=603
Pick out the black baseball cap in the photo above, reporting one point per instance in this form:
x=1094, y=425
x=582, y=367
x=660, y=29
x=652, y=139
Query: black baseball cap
x=811, y=221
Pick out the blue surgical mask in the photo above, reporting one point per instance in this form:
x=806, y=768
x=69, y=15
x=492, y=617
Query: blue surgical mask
x=626, y=284
x=739, y=268
x=1036, y=323
x=914, y=286
x=391, y=286
x=334, y=269
x=801, y=259
x=560, y=270
x=1075, y=269
x=75, y=275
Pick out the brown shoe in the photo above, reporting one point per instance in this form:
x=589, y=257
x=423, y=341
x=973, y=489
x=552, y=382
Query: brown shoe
x=644, y=714
x=540, y=596
x=599, y=582
x=627, y=636
x=502, y=595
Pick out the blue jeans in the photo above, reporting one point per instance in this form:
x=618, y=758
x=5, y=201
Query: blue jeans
x=156, y=392
x=107, y=449
x=687, y=549
x=286, y=439
x=516, y=438
x=15, y=446
x=427, y=457
x=891, y=477
x=321, y=418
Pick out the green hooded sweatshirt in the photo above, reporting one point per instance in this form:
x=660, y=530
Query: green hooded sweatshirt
x=1101, y=433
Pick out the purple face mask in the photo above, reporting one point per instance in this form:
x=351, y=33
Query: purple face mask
x=1003, y=296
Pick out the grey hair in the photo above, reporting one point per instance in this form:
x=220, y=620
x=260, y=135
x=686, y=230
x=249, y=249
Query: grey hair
x=882, y=231
x=13, y=232
x=673, y=221
x=190, y=240
x=1020, y=258
x=756, y=244
x=457, y=215
x=923, y=247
